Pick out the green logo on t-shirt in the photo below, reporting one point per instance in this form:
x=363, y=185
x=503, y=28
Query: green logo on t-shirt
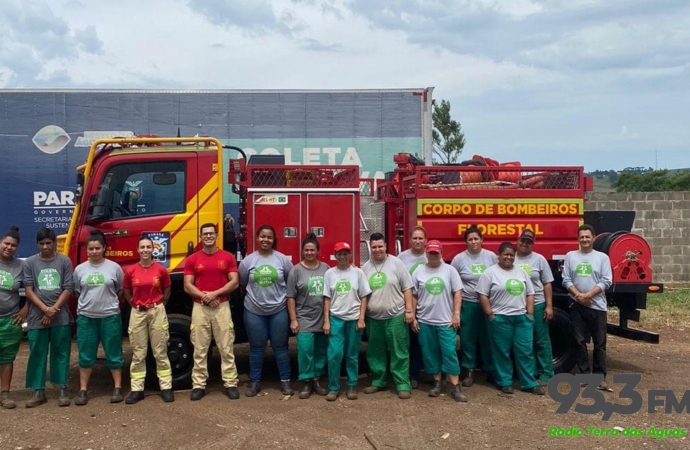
x=515, y=287
x=95, y=280
x=584, y=270
x=343, y=287
x=377, y=280
x=48, y=279
x=265, y=276
x=315, y=286
x=526, y=267
x=478, y=268
x=435, y=285
x=415, y=266
x=6, y=281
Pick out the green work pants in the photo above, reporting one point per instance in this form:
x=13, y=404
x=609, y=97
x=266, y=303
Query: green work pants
x=543, y=355
x=513, y=333
x=58, y=342
x=311, y=354
x=439, y=352
x=343, y=340
x=473, y=331
x=389, y=339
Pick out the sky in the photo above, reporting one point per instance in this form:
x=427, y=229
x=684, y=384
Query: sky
x=600, y=83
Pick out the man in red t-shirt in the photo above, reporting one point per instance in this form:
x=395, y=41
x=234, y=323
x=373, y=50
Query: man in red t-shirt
x=210, y=275
x=146, y=286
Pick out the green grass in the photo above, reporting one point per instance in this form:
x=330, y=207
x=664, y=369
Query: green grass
x=668, y=310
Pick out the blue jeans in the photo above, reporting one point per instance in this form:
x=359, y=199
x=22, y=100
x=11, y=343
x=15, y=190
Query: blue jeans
x=261, y=329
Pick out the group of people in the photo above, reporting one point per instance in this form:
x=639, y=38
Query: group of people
x=412, y=307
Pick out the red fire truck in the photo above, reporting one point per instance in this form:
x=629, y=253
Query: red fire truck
x=165, y=188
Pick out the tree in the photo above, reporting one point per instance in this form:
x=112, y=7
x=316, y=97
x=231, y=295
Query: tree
x=654, y=181
x=447, y=134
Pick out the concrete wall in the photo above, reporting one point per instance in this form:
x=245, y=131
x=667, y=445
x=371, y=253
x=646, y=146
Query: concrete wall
x=663, y=219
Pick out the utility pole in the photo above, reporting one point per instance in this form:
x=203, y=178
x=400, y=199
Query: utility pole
x=656, y=159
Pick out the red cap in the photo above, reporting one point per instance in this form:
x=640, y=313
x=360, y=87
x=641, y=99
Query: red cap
x=433, y=246
x=342, y=246
x=528, y=235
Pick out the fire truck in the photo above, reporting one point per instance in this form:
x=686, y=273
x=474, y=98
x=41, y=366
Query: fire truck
x=165, y=188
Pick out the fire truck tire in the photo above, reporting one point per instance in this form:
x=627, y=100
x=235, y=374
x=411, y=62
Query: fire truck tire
x=562, y=342
x=180, y=351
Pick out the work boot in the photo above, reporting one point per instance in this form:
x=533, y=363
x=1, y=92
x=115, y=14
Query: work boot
x=332, y=396
x=320, y=390
x=436, y=389
x=253, y=389
x=305, y=393
x=286, y=389
x=168, y=396
x=117, y=396
x=538, y=390
x=468, y=381
x=63, y=398
x=507, y=389
x=135, y=397
x=351, y=393
x=372, y=389
x=6, y=402
x=39, y=398
x=414, y=384
x=82, y=398
x=456, y=393
x=232, y=392
x=197, y=394
x=404, y=395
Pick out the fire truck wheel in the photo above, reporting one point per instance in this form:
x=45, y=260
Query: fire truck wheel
x=180, y=350
x=562, y=342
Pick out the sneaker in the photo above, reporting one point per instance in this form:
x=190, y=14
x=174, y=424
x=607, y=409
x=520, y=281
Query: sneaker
x=63, y=398
x=305, y=393
x=456, y=393
x=197, y=394
x=117, y=396
x=232, y=392
x=331, y=396
x=404, y=395
x=351, y=393
x=134, y=397
x=414, y=384
x=537, y=390
x=468, y=381
x=253, y=389
x=320, y=390
x=436, y=389
x=507, y=390
x=6, y=402
x=372, y=389
x=286, y=389
x=168, y=396
x=81, y=399
x=39, y=398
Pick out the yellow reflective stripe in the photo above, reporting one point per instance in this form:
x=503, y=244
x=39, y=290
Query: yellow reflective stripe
x=191, y=327
x=138, y=375
x=231, y=325
x=165, y=326
x=164, y=373
x=230, y=375
x=129, y=331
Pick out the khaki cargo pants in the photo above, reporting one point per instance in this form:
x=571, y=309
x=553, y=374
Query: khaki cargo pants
x=207, y=324
x=144, y=326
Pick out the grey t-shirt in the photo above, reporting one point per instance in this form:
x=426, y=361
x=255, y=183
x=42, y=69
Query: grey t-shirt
x=539, y=272
x=266, y=281
x=434, y=289
x=471, y=267
x=11, y=279
x=507, y=290
x=48, y=279
x=586, y=270
x=387, y=280
x=345, y=288
x=98, y=287
x=411, y=260
x=306, y=287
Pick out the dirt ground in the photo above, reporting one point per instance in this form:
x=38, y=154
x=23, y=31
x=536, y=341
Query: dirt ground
x=378, y=421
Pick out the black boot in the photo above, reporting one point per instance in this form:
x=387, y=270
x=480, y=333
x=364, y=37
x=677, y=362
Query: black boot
x=457, y=394
x=436, y=389
x=253, y=389
x=135, y=397
x=305, y=393
x=468, y=381
x=286, y=389
x=320, y=390
x=63, y=398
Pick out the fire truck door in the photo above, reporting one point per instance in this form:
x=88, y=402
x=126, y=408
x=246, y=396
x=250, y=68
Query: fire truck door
x=332, y=217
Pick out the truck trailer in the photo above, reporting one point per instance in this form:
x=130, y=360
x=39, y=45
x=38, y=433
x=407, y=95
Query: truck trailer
x=185, y=182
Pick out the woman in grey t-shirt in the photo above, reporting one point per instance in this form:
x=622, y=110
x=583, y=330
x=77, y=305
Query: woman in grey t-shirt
x=305, y=307
x=507, y=298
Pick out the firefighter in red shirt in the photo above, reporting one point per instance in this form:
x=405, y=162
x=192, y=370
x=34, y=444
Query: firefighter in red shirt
x=147, y=288
x=210, y=275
